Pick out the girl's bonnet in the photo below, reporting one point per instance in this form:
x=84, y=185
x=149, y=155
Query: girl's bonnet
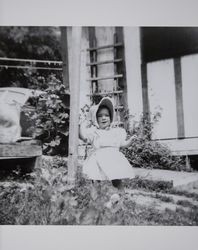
x=105, y=101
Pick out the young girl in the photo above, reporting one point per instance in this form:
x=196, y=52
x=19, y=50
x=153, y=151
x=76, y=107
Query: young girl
x=106, y=162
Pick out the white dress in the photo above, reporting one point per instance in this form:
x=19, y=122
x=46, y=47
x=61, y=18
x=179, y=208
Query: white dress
x=106, y=162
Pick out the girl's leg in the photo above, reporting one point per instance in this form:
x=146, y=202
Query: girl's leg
x=96, y=181
x=116, y=183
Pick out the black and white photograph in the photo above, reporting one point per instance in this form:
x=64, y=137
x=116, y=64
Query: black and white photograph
x=99, y=125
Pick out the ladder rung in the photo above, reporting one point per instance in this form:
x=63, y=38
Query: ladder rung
x=106, y=93
x=105, y=78
x=104, y=62
x=119, y=107
x=106, y=46
x=119, y=123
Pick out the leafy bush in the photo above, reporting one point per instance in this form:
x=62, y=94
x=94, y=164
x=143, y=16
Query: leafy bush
x=52, y=118
x=147, y=153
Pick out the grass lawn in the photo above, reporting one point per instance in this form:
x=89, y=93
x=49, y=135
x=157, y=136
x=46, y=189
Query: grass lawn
x=43, y=198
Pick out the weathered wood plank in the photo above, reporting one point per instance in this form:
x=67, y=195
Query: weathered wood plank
x=19, y=150
x=107, y=93
x=145, y=98
x=38, y=162
x=74, y=104
x=187, y=146
x=65, y=57
x=132, y=53
x=120, y=68
x=179, y=98
x=93, y=58
x=105, y=62
x=105, y=78
x=106, y=46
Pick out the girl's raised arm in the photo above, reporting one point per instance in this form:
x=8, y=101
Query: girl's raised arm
x=82, y=130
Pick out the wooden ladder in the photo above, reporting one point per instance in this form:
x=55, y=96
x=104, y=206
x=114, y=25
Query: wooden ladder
x=118, y=91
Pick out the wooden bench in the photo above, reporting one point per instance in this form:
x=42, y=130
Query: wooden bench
x=25, y=154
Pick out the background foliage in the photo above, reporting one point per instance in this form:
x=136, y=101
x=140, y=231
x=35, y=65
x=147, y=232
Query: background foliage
x=52, y=118
x=41, y=43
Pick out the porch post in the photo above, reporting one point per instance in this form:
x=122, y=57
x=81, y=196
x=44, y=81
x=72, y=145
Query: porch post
x=133, y=73
x=74, y=104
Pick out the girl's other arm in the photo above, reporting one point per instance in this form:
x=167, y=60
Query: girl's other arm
x=127, y=143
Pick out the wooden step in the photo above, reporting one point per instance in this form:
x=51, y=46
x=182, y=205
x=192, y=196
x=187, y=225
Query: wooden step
x=105, y=62
x=106, y=46
x=105, y=78
x=186, y=146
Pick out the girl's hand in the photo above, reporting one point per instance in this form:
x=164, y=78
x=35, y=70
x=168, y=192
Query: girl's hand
x=131, y=139
x=84, y=114
x=128, y=142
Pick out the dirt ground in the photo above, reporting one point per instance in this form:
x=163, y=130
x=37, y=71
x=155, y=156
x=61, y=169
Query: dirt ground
x=162, y=201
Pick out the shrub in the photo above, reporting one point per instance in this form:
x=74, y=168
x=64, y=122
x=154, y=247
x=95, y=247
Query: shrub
x=147, y=153
x=52, y=118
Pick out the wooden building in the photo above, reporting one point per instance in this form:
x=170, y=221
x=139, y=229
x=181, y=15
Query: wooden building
x=145, y=70
x=170, y=56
